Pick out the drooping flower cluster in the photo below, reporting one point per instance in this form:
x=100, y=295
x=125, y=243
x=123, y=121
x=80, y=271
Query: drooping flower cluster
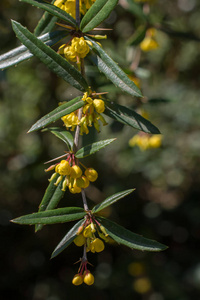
x=146, y=141
x=149, y=43
x=86, y=236
x=70, y=6
x=73, y=175
x=91, y=114
x=77, y=49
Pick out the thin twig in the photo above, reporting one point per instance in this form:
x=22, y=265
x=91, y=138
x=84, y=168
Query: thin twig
x=86, y=208
x=77, y=13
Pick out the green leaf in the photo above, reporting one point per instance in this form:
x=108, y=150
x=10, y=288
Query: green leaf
x=62, y=134
x=92, y=148
x=59, y=215
x=129, y=117
x=132, y=240
x=57, y=113
x=136, y=10
x=98, y=12
x=21, y=53
x=46, y=23
x=112, y=71
x=52, y=9
x=52, y=197
x=50, y=58
x=110, y=200
x=138, y=36
x=68, y=239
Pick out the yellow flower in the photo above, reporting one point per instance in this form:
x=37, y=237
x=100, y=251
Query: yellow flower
x=97, y=245
x=79, y=240
x=149, y=43
x=63, y=168
x=78, y=48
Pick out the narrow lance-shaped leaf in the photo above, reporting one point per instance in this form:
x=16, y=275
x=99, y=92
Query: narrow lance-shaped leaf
x=112, y=71
x=62, y=134
x=137, y=36
x=110, y=200
x=50, y=58
x=68, y=239
x=98, y=12
x=129, y=117
x=46, y=23
x=52, y=9
x=57, y=113
x=92, y=148
x=52, y=197
x=21, y=53
x=59, y=215
x=132, y=240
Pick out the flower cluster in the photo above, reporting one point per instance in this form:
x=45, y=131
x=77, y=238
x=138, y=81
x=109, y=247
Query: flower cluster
x=77, y=49
x=86, y=236
x=145, y=141
x=72, y=174
x=91, y=114
x=149, y=43
x=70, y=6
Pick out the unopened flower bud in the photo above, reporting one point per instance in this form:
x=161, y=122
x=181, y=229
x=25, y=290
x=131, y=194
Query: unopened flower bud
x=88, y=278
x=52, y=176
x=91, y=174
x=77, y=280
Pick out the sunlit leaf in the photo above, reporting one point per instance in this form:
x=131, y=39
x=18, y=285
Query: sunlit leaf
x=110, y=200
x=57, y=113
x=62, y=134
x=132, y=240
x=68, y=239
x=46, y=23
x=112, y=71
x=129, y=117
x=59, y=215
x=55, y=62
x=51, y=198
x=21, y=53
x=92, y=148
x=97, y=13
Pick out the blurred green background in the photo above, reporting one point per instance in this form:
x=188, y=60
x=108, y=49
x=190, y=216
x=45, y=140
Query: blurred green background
x=165, y=205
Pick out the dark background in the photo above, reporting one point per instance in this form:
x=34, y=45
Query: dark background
x=165, y=205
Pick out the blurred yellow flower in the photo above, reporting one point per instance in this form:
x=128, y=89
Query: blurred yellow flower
x=149, y=43
x=145, y=141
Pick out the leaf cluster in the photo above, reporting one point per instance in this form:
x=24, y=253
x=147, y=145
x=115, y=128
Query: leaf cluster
x=38, y=44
